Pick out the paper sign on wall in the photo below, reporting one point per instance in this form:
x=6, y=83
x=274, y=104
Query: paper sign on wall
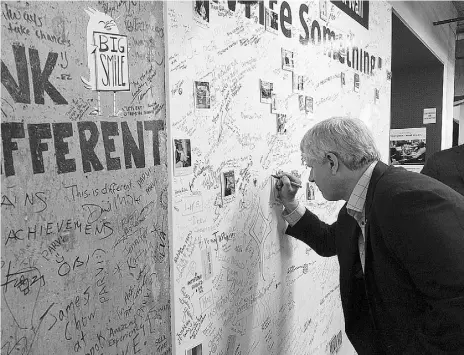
x=430, y=115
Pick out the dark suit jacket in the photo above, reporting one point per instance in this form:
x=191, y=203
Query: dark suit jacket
x=447, y=166
x=410, y=298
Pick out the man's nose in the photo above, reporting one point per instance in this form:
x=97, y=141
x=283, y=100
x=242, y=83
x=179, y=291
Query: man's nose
x=311, y=177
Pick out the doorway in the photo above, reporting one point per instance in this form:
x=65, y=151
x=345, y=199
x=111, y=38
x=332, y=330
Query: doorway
x=416, y=84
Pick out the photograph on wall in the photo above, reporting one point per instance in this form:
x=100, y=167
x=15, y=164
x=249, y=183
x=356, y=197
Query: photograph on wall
x=376, y=95
x=342, y=79
x=301, y=102
x=272, y=21
x=228, y=185
x=407, y=146
x=202, y=95
x=201, y=12
x=309, y=192
x=356, y=82
x=298, y=82
x=266, y=88
x=287, y=60
x=182, y=157
x=281, y=123
x=196, y=350
x=309, y=104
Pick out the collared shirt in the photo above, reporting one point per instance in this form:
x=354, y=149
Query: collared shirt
x=355, y=207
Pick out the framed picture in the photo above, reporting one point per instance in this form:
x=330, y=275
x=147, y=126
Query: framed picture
x=228, y=185
x=201, y=12
x=266, y=89
x=281, y=123
x=272, y=24
x=182, y=157
x=287, y=60
x=309, y=104
x=202, y=95
x=298, y=82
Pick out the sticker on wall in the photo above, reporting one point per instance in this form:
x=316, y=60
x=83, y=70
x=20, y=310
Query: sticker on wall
x=106, y=57
x=182, y=157
x=266, y=89
x=309, y=104
x=278, y=104
x=272, y=21
x=196, y=350
x=376, y=95
x=201, y=13
x=309, y=192
x=298, y=82
x=202, y=95
x=356, y=82
x=281, y=123
x=287, y=60
x=228, y=185
x=301, y=102
x=324, y=10
x=207, y=263
x=389, y=75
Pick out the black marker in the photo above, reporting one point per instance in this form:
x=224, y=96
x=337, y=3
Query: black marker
x=291, y=182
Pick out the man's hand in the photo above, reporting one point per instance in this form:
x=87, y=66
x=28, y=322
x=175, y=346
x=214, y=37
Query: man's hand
x=287, y=186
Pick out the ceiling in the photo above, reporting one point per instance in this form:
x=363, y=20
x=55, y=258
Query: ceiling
x=407, y=50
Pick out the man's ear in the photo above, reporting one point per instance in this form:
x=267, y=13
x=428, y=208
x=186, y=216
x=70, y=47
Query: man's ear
x=334, y=163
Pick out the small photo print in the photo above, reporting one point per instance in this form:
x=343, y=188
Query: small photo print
x=287, y=60
x=202, y=95
x=197, y=350
x=201, y=12
x=356, y=82
x=182, y=157
x=309, y=192
x=266, y=88
x=228, y=184
x=301, y=102
x=342, y=79
x=298, y=82
x=376, y=95
x=281, y=123
x=309, y=104
x=272, y=21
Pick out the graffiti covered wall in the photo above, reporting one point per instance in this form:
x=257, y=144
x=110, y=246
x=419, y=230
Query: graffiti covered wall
x=84, y=260
x=246, y=80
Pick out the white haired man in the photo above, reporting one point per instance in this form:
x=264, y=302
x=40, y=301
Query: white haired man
x=399, y=240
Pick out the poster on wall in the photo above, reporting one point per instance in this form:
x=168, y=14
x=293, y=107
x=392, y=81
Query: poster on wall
x=407, y=146
x=430, y=115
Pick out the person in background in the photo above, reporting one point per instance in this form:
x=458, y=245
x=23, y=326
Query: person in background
x=399, y=240
x=447, y=166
